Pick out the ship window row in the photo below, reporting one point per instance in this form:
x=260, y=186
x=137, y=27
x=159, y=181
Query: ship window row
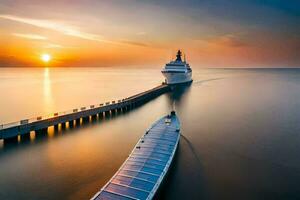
x=175, y=69
x=175, y=65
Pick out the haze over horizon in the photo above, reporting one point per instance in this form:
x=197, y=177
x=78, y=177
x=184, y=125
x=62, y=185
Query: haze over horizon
x=109, y=33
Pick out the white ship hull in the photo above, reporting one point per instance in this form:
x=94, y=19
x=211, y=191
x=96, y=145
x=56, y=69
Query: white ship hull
x=177, y=77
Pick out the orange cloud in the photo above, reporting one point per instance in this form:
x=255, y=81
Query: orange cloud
x=66, y=30
x=56, y=26
x=256, y=49
x=30, y=36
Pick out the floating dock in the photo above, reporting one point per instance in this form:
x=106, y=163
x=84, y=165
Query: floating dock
x=10, y=132
x=142, y=173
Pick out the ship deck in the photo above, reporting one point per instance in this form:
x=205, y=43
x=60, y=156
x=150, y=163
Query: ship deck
x=143, y=171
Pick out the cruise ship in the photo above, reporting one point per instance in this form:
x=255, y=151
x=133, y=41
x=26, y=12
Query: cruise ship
x=178, y=71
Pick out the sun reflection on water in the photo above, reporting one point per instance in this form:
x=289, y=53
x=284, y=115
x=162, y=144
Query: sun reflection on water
x=48, y=98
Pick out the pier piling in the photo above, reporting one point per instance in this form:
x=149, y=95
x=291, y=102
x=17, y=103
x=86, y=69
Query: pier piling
x=94, y=117
x=63, y=125
x=25, y=136
x=107, y=114
x=11, y=140
x=77, y=122
x=86, y=119
x=71, y=124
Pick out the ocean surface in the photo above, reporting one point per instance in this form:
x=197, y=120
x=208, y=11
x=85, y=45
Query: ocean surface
x=241, y=132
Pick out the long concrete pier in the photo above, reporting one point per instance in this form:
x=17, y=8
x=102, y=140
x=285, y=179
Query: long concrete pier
x=10, y=132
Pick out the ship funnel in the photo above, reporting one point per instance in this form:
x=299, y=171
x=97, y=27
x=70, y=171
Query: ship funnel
x=178, y=56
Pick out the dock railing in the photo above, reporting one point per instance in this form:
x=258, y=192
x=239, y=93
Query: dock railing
x=80, y=109
x=56, y=114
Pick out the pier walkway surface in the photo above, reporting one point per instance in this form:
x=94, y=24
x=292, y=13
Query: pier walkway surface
x=10, y=132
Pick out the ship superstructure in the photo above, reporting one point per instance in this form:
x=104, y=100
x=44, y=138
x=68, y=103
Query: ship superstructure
x=177, y=71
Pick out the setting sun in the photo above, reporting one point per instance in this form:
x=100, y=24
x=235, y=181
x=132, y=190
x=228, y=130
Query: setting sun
x=45, y=57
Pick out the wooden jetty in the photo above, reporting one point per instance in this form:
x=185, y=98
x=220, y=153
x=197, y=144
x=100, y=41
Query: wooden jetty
x=143, y=171
x=10, y=132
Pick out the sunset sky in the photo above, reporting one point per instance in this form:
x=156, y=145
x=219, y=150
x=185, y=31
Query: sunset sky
x=146, y=33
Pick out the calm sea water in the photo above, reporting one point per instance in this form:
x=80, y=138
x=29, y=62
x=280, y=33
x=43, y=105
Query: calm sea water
x=241, y=133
